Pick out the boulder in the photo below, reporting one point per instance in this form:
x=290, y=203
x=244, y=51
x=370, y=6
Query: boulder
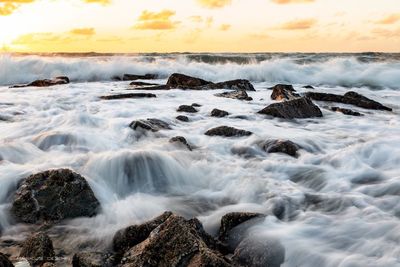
x=180, y=140
x=187, y=108
x=45, y=82
x=93, y=259
x=280, y=146
x=283, y=92
x=54, y=195
x=182, y=118
x=240, y=95
x=4, y=261
x=153, y=125
x=38, y=249
x=298, y=108
x=182, y=81
x=132, y=77
x=233, y=219
x=227, y=132
x=196, y=105
x=346, y=111
x=238, y=85
x=219, y=113
x=122, y=96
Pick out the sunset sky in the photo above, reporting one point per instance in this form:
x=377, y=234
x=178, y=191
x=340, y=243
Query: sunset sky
x=199, y=25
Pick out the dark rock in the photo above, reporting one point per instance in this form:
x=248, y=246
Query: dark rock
x=131, y=236
x=346, y=111
x=187, y=108
x=227, y=132
x=153, y=125
x=180, y=140
x=259, y=253
x=238, y=85
x=45, y=82
x=283, y=92
x=93, y=259
x=280, y=146
x=297, y=108
x=182, y=118
x=4, y=261
x=240, y=95
x=233, y=219
x=142, y=84
x=219, y=113
x=308, y=87
x=196, y=105
x=121, y=96
x=38, y=249
x=132, y=77
x=181, y=81
x=52, y=196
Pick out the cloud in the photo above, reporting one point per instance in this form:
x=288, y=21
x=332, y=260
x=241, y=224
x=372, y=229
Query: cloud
x=283, y=2
x=390, y=19
x=214, y=3
x=224, y=27
x=103, y=2
x=156, y=20
x=300, y=24
x=83, y=31
x=385, y=33
x=7, y=7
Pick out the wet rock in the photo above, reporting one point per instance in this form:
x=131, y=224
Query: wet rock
x=54, y=195
x=259, y=253
x=280, y=146
x=227, y=132
x=233, y=219
x=240, y=95
x=346, y=111
x=187, y=108
x=219, y=113
x=196, y=105
x=4, y=261
x=175, y=242
x=38, y=249
x=182, y=118
x=45, y=82
x=122, y=96
x=132, y=77
x=182, y=81
x=153, y=125
x=298, y=108
x=308, y=87
x=142, y=84
x=283, y=92
x=239, y=85
x=131, y=236
x=180, y=140
x=93, y=259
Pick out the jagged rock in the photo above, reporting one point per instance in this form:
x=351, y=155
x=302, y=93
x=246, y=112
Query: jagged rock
x=227, y=132
x=280, y=146
x=45, y=82
x=142, y=84
x=182, y=118
x=239, y=85
x=283, y=92
x=132, y=77
x=131, y=236
x=187, y=108
x=182, y=81
x=219, y=113
x=346, y=111
x=351, y=98
x=122, y=96
x=240, y=95
x=297, y=108
x=180, y=140
x=153, y=125
x=4, y=261
x=233, y=219
x=54, y=195
x=38, y=249
x=93, y=259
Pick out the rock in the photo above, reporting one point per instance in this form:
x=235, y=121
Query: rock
x=227, y=132
x=346, y=111
x=283, y=92
x=259, y=253
x=233, y=219
x=45, y=82
x=131, y=236
x=280, y=146
x=48, y=264
x=180, y=140
x=38, y=249
x=239, y=85
x=240, y=95
x=121, y=96
x=54, y=195
x=93, y=259
x=182, y=118
x=4, y=261
x=132, y=77
x=308, y=87
x=219, y=113
x=351, y=98
x=298, y=108
x=187, y=108
x=142, y=84
x=196, y=105
x=153, y=125
x=175, y=242
x=182, y=81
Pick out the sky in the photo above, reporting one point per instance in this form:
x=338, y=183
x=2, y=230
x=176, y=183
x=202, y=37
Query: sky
x=142, y=26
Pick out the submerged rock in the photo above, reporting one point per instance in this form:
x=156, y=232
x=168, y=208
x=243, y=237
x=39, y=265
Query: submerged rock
x=233, y=219
x=93, y=259
x=187, y=108
x=45, y=82
x=132, y=77
x=283, y=92
x=219, y=113
x=227, y=132
x=38, y=249
x=240, y=95
x=4, y=261
x=346, y=111
x=153, y=125
x=121, y=96
x=52, y=196
x=180, y=140
x=280, y=146
x=142, y=84
x=297, y=108
x=182, y=118
x=196, y=105
x=182, y=81
x=308, y=87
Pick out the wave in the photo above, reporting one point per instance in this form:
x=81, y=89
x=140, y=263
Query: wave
x=347, y=70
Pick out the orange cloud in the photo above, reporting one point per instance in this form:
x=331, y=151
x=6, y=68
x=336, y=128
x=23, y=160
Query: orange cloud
x=214, y=3
x=282, y=2
x=7, y=7
x=224, y=27
x=300, y=24
x=391, y=19
x=103, y=2
x=83, y=31
x=156, y=20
